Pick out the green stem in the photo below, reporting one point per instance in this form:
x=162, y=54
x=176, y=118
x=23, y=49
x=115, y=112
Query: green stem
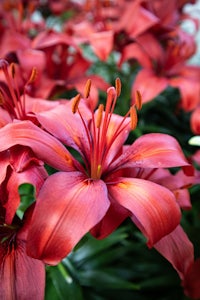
x=64, y=273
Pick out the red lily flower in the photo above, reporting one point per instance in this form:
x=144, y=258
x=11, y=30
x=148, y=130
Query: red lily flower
x=17, y=27
x=79, y=197
x=15, y=103
x=165, y=66
x=170, y=14
x=21, y=277
x=18, y=165
x=48, y=51
x=111, y=25
x=134, y=19
x=69, y=68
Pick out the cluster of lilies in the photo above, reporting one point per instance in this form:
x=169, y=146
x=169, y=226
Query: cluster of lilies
x=99, y=180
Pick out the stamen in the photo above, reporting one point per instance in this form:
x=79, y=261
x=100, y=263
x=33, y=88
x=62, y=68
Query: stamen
x=87, y=88
x=87, y=6
x=97, y=127
x=138, y=100
x=31, y=7
x=1, y=98
x=99, y=169
x=176, y=51
x=118, y=86
x=110, y=104
x=99, y=115
x=134, y=118
x=107, y=3
x=75, y=103
x=13, y=101
x=111, y=101
x=33, y=75
x=12, y=66
x=3, y=64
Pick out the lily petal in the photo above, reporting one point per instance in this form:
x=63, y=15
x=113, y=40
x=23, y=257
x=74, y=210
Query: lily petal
x=153, y=150
x=135, y=19
x=65, y=125
x=191, y=282
x=34, y=175
x=149, y=85
x=4, y=117
x=21, y=275
x=153, y=207
x=134, y=51
x=4, y=163
x=189, y=89
x=115, y=215
x=102, y=43
x=177, y=249
x=68, y=206
x=46, y=147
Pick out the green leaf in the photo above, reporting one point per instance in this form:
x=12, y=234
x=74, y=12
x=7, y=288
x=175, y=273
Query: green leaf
x=93, y=247
x=105, y=278
x=60, y=285
x=27, y=197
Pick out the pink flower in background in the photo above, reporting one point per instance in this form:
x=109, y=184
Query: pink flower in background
x=15, y=103
x=164, y=66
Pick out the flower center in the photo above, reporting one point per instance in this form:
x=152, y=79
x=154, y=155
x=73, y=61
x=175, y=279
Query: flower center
x=99, y=135
x=8, y=234
x=10, y=98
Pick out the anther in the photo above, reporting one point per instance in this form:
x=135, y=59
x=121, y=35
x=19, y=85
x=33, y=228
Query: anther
x=138, y=100
x=33, y=75
x=99, y=168
x=12, y=66
x=75, y=103
x=87, y=88
x=1, y=98
x=134, y=118
x=99, y=115
x=118, y=86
